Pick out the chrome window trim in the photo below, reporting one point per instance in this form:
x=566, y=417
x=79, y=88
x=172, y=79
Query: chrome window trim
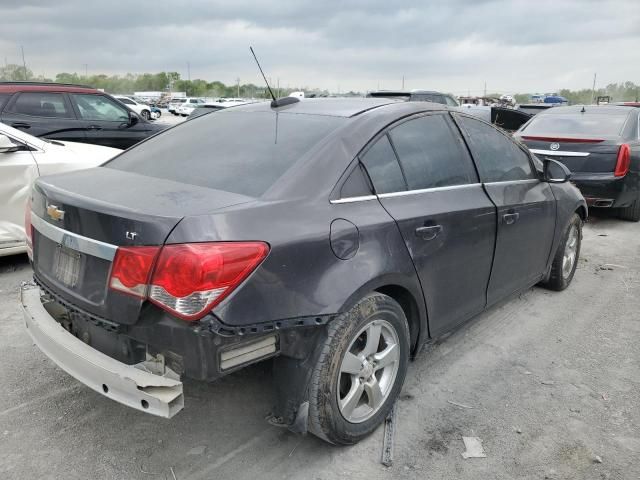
x=428, y=190
x=559, y=153
x=403, y=193
x=86, y=245
x=363, y=198
x=526, y=180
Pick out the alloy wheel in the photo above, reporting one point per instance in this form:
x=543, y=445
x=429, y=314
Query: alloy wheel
x=570, y=252
x=368, y=371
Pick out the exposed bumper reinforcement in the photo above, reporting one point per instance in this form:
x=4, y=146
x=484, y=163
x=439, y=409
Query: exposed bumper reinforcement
x=131, y=385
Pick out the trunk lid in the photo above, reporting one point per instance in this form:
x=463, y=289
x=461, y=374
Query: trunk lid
x=80, y=219
x=580, y=154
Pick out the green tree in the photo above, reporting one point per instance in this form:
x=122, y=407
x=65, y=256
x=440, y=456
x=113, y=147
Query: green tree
x=14, y=73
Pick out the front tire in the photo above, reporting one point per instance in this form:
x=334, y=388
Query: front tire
x=632, y=212
x=360, y=371
x=566, y=258
x=146, y=114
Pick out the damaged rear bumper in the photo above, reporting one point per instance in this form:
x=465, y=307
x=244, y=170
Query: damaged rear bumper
x=136, y=386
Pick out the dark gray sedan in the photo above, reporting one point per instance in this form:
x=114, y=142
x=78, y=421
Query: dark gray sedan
x=335, y=235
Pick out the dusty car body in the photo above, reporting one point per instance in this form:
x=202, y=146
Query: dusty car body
x=328, y=240
x=23, y=158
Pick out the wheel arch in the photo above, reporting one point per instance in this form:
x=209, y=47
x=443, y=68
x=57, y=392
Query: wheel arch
x=408, y=293
x=410, y=307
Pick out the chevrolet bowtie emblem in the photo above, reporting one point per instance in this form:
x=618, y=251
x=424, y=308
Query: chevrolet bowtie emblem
x=54, y=212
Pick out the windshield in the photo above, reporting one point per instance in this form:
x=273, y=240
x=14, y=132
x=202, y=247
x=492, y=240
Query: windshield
x=239, y=152
x=577, y=124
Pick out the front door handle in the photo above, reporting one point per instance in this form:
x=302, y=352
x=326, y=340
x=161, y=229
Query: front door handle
x=429, y=233
x=510, y=218
x=20, y=125
x=94, y=127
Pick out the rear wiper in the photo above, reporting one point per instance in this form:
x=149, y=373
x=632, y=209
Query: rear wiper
x=55, y=142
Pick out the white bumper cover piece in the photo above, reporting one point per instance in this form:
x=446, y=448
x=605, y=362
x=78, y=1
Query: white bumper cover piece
x=132, y=385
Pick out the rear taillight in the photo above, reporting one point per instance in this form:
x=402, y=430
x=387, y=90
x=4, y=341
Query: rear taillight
x=132, y=269
x=28, y=229
x=187, y=280
x=624, y=161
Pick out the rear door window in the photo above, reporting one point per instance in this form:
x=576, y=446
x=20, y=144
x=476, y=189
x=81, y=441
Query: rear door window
x=41, y=104
x=431, y=153
x=382, y=165
x=99, y=108
x=499, y=159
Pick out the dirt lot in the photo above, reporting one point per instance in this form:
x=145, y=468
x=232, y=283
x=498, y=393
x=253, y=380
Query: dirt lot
x=553, y=380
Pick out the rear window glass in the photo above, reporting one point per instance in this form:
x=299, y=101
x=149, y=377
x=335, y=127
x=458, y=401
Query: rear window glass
x=238, y=152
x=576, y=124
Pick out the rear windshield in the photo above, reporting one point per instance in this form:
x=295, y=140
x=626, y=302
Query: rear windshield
x=239, y=152
x=577, y=124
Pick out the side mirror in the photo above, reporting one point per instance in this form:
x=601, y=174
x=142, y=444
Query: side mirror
x=7, y=146
x=555, y=172
x=133, y=119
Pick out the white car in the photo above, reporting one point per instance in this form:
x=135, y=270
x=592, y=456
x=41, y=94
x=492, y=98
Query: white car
x=189, y=105
x=174, y=104
x=141, y=109
x=23, y=158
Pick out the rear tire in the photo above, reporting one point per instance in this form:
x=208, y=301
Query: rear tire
x=360, y=371
x=146, y=114
x=632, y=212
x=566, y=258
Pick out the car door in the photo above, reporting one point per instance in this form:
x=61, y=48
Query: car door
x=525, y=205
x=44, y=114
x=107, y=121
x=425, y=179
x=18, y=171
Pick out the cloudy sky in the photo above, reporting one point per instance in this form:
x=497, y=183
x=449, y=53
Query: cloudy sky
x=455, y=45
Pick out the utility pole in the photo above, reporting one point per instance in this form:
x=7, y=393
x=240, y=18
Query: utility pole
x=24, y=64
x=485, y=88
x=593, y=89
x=188, y=71
x=277, y=88
x=402, y=82
x=86, y=70
x=238, y=83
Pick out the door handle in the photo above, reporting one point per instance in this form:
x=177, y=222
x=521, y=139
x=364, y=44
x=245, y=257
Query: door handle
x=510, y=218
x=20, y=125
x=429, y=233
x=94, y=127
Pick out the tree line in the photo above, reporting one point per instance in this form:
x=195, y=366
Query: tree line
x=172, y=81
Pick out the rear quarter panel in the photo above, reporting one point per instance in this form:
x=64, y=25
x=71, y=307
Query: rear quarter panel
x=301, y=276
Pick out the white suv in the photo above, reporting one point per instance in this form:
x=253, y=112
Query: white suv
x=141, y=109
x=189, y=105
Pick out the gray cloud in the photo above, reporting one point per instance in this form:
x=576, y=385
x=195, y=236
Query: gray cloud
x=453, y=46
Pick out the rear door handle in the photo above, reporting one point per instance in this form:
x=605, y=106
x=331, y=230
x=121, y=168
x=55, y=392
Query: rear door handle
x=429, y=233
x=94, y=127
x=20, y=125
x=510, y=218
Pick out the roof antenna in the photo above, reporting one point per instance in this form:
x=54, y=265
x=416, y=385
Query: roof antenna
x=583, y=110
x=275, y=102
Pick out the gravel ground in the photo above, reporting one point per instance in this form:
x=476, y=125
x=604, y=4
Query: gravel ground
x=552, y=379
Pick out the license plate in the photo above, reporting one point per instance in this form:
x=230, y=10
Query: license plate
x=67, y=266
